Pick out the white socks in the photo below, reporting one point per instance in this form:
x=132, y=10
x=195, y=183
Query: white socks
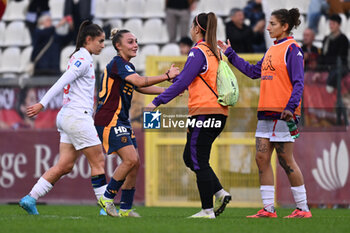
x=100, y=191
x=41, y=187
x=268, y=197
x=299, y=194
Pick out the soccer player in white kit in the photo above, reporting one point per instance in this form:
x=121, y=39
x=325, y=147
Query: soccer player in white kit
x=74, y=120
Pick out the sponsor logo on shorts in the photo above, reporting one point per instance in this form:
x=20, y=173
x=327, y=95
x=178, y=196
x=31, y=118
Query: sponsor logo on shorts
x=124, y=139
x=120, y=130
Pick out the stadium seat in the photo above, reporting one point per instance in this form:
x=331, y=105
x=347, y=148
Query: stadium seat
x=152, y=31
x=56, y=9
x=199, y=9
x=275, y=4
x=164, y=36
x=99, y=22
x=221, y=33
x=152, y=50
x=2, y=32
x=12, y=62
x=298, y=33
x=114, y=9
x=17, y=34
x=344, y=23
x=115, y=23
x=100, y=9
x=106, y=56
x=216, y=7
x=229, y=4
x=64, y=58
x=134, y=8
x=25, y=58
x=318, y=44
x=170, y=50
x=347, y=31
x=134, y=26
x=155, y=8
x=6, y=14
x=303, y=6
x=16, y=10
x=323, y=28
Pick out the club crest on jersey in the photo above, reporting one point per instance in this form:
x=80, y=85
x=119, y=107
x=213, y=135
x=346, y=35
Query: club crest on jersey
x=128, y=68
x=77, y=63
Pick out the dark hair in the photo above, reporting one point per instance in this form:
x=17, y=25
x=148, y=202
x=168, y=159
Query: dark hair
x=336, y=18
x=87, y=28
x=116, y=35
x=208, y=24
x=233, y=11
x=187, y=41
x=291, y=17
x=22, y=96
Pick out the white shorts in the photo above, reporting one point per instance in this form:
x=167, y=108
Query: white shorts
x=77, y=128
x=275, y=130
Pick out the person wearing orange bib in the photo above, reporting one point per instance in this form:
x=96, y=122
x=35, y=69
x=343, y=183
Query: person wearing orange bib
x=202, y=62
x=282, y=82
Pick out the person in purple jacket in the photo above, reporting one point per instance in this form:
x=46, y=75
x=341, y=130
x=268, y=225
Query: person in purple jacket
x=202, y=62
x=281, y=71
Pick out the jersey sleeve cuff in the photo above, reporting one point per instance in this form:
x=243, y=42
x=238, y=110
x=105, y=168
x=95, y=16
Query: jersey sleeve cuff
x=156, y=102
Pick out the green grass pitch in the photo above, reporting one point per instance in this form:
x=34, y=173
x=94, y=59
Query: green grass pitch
x=85, y=219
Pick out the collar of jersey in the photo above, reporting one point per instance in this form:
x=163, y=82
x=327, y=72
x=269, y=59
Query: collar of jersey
x=86, y=53
x=284, y=39
x=200, y=41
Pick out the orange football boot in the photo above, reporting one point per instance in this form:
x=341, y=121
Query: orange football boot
x=263, y=214
x=298, y=213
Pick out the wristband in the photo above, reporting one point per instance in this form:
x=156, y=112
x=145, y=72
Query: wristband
x=167, y=74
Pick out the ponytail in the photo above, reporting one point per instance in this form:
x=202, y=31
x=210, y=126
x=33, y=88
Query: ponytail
x=210, y=36
x=87, y=28
x=208, y=24
x=291, y=17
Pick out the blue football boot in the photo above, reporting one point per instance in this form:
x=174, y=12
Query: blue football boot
x=103, y=212
x=28, y=203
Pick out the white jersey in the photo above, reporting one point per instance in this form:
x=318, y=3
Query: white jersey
x=77, y=83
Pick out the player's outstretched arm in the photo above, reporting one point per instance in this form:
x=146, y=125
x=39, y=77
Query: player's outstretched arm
x=34, y=109
x=151, y=90
x=141, y=81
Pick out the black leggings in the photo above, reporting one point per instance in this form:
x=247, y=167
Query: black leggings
x=197, y=154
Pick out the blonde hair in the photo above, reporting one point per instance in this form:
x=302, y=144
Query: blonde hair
x=116, y=35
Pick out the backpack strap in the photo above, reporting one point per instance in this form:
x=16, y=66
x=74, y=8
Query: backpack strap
x=208, y=86
x=201, y=75
x=219, y=58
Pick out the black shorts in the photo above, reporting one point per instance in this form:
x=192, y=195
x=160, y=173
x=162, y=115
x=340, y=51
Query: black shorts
x=200, y=137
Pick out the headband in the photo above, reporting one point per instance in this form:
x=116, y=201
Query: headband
x=199, y=24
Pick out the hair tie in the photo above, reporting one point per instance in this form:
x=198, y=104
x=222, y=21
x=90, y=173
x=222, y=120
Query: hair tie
x=199, y=24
